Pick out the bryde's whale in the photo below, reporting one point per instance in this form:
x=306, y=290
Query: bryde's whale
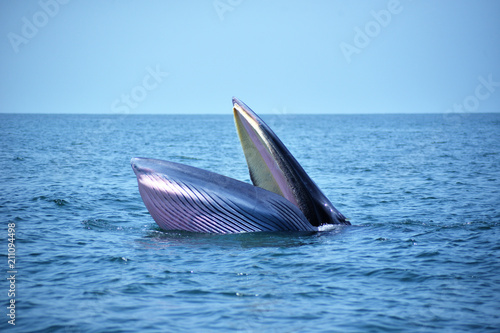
x=282, y=197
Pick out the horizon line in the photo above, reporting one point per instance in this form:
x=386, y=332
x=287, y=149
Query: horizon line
x=221, y=114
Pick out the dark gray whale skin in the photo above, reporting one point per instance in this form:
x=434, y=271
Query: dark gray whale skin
x=284, y=198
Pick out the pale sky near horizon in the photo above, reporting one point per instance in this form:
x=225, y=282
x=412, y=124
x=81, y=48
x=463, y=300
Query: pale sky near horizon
x=180, y=57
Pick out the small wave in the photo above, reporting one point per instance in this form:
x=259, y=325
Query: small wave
x=60, y=202
x=119, y=259
x=100, y=224
x=403, y=223
x=398, y=274
x=57, y=201
x=40, y=198
x=427, y=254
x=330, y=227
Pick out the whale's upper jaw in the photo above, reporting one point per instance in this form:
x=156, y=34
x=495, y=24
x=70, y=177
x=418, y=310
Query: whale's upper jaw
x=274, y=168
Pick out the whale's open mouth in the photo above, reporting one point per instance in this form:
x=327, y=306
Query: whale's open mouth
x=260, y=155
x=274, y=168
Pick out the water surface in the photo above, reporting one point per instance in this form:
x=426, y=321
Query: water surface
x=423, y=254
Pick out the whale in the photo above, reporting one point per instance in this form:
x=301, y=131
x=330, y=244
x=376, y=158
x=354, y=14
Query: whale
x=282, y=196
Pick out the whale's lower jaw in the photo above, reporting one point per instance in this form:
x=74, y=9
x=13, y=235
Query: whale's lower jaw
x=181, y=197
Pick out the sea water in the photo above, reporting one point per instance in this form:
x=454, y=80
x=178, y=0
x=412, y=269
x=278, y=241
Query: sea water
x=422, y=254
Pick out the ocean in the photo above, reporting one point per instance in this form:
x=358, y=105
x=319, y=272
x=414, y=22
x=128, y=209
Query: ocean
x=422, y=254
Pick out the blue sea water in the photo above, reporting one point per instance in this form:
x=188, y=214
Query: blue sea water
x=422, y=255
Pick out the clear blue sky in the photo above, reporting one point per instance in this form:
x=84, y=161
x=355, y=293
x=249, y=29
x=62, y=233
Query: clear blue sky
x=328, y=56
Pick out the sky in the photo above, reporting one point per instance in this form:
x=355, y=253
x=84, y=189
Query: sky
x=283, y=56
